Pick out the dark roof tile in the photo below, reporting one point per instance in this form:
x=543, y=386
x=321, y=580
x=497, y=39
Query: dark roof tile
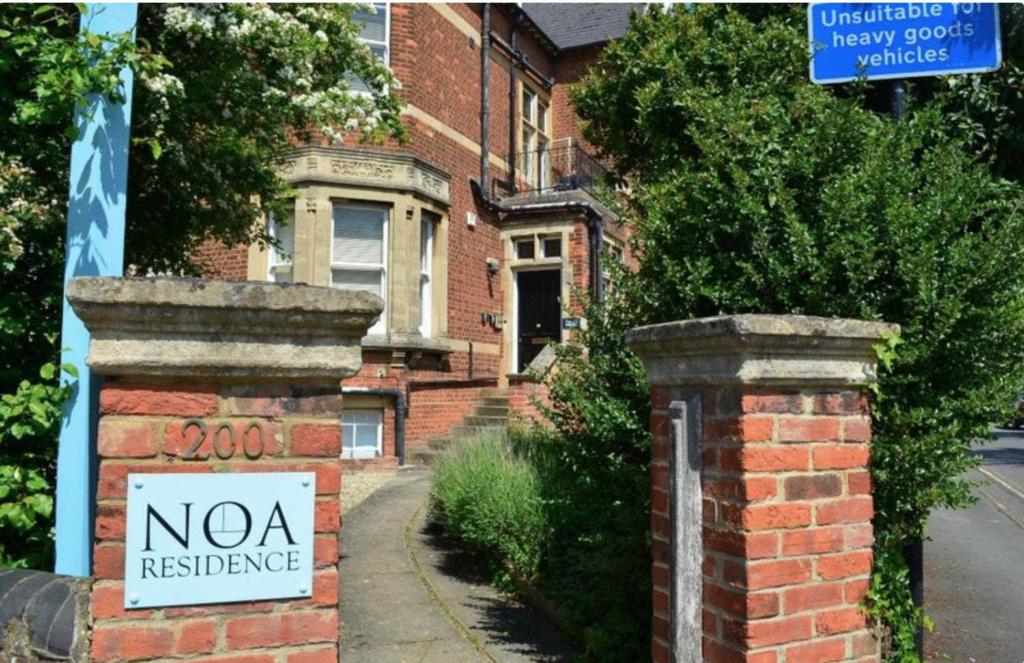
x=580, y=24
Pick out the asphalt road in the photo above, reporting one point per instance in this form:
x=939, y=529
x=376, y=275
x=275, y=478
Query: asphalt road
x=974, y=564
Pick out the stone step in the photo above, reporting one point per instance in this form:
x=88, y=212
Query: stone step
x=492, y=411
x=423, y=456
x=462, y=430
x=493, y=401
x=439, y=444
x=494, y=392
x=485, y=421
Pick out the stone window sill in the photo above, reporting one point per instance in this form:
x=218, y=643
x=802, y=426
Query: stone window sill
x=407, y=343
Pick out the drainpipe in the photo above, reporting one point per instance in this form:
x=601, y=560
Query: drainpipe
x=512, y=114
x=400, y=413
x=596, y=247
x=485, y=103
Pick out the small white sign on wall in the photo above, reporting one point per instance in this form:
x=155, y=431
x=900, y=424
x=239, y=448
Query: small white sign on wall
x=218, y=538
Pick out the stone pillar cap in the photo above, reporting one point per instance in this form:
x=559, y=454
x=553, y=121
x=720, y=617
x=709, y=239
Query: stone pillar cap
x=198, y=328
x=751, y=349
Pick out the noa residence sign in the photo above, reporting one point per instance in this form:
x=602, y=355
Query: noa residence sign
x=218, y=538
x=881, y=40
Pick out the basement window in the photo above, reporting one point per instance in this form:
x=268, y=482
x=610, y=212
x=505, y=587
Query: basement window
x=362, y=434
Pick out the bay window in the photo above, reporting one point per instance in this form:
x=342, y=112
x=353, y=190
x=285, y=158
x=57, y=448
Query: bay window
x=279, y=258
x=359, y=252
x=428, y=223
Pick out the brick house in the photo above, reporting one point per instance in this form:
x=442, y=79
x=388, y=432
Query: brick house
x=478, y=258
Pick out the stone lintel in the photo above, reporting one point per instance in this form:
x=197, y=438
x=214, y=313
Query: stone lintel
x=197, y=328
x=769, y=350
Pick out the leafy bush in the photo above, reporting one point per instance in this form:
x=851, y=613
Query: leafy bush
x=597, y=490
x=753, y=190
x=567, y=518
x=29, y=420
x=489, y=496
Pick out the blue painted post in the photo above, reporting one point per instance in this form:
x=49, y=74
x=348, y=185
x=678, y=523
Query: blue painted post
x=95, y=247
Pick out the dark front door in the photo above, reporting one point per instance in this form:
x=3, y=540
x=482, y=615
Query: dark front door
x=540, y=312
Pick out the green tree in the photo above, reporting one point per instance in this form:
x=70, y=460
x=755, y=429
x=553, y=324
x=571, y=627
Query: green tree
x=753, y=190
x=222, y=93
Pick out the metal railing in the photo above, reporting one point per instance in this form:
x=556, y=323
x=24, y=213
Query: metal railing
x=556, y=168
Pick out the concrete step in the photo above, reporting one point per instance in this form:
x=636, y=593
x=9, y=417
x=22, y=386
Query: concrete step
x=493, y=402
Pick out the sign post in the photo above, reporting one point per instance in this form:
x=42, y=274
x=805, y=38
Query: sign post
x=95, y=247
x=895, y=41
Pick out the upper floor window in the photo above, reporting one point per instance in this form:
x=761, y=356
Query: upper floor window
x=359, y=252
x=279, y=259
x=534, y=117
x=375, y=33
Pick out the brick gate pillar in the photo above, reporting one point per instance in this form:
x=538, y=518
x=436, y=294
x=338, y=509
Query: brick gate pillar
x=218, y=377
x=760, y=491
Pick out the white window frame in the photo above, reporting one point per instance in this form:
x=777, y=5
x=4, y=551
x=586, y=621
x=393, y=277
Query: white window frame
x=386, y=8
x=274, y=261
x=380, y=327
x=349, y=453
x=428, y=230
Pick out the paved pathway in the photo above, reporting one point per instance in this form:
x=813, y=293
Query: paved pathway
x=974, y=565
x=409, y=597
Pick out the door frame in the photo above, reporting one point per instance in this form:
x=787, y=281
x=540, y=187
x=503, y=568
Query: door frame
x=563, y=227
x=549, y=267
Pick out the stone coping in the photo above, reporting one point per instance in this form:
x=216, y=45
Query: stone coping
x=197, y=328
x=752, y=349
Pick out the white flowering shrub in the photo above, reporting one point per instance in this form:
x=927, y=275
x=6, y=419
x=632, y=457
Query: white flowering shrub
x=222, y=93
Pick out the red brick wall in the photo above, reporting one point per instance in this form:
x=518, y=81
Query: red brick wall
x=436, y=409
x=787, y=525
x=438, y=398
x=523, y=398
x=140, y=430
x=569, y=70
x=216, y=260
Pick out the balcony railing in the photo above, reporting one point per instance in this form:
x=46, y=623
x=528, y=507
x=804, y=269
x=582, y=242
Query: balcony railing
x=559, y=167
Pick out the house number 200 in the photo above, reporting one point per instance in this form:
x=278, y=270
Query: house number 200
x=224, y=440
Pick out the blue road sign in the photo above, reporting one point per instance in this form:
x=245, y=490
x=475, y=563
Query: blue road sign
x=95, y=247
x=880, y=40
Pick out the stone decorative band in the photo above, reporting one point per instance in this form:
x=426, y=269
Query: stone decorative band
x=365, y=167
x=205, y=328
x=750, y=349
